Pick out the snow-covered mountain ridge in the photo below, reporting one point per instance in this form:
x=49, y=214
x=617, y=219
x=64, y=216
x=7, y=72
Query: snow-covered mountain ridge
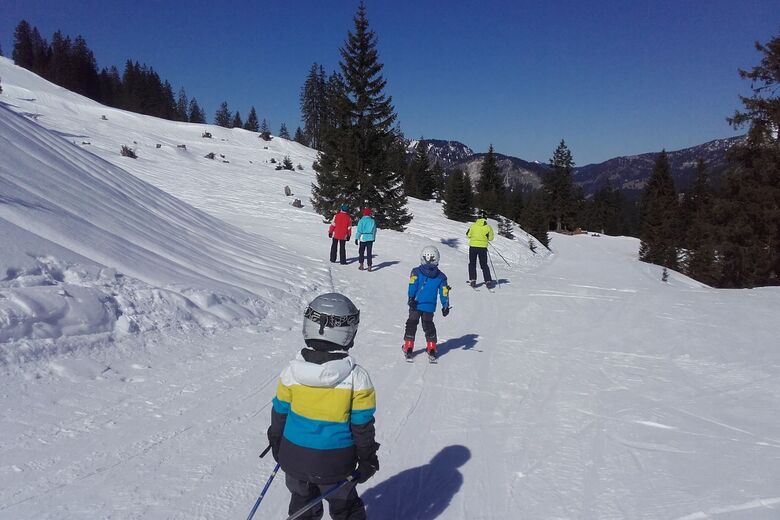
x=627, y=173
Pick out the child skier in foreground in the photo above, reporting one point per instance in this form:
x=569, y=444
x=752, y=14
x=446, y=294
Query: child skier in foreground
x=322, y=421
x=425, y=283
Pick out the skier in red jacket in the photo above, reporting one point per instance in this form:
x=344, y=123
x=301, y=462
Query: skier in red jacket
x=340, y=231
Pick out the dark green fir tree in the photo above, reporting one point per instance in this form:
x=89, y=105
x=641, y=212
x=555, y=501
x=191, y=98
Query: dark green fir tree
x=490, y=186
x=357, y=158
x=196, y=113
x=457, y=197
x=659, y=213
x=251, y=123
x=223, y=117
x=237, y=122
x=559, y=188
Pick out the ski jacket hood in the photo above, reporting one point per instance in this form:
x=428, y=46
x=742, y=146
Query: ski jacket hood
x=328, y=374
x=480, y=233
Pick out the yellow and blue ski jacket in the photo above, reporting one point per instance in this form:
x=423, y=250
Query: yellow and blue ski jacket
x=323, y=419
x=425, y=283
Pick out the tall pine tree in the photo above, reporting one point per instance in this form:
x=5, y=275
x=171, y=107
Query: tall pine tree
x=457, y=197
x=196, y=113
x=223, y=117
x=659, y=213
x=490, y=186
x=559, y=188
x=750, y=253
x=251, y=123
x=237, y=122
x=359, y=150
x=700, y=240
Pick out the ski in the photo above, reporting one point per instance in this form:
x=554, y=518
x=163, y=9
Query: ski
x=432, y=359
x=408, y=356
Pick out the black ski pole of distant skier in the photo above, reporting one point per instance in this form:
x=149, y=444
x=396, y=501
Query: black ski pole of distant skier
x=499, y=254
x=265, y=488
x=498, y=280
x=313, y=502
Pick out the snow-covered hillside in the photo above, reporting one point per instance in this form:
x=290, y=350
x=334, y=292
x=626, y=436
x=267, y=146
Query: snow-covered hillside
x=147, y=307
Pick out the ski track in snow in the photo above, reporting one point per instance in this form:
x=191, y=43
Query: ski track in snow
x=582, y=387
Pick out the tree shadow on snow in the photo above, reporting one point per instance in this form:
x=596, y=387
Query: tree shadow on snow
x=465, y=342
x=450, y=242
x=422, y=493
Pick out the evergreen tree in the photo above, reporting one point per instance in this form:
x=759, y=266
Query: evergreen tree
x=60, y=67
x=1, y=51
x=265, y=130
x=196, y=113
x=535, y=220
x=223, y=117
x=300, y=137
x=182, y=106
x=559, y=188
x=659, y=213
x=749, y=212
x=313, y=105
x=456, y=199
x=514, y=205
x=237, y=122
x=700, y=237
x=418, y=181
x=356, y=160
x=283, y=133
x=604, y=213
x=490, y=186
x=251, y=121
x=505, y=228
x=86, y=70
x=23, y=46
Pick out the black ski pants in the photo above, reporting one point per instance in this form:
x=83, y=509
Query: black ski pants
x=344, y=504
x=427, y=324
x=342, y=247
x=481, y=253
x=365, y=247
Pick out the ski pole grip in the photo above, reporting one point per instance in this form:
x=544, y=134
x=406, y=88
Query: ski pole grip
x=265, y=451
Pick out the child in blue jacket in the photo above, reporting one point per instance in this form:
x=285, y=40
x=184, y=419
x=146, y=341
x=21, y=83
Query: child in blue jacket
x=426, y=282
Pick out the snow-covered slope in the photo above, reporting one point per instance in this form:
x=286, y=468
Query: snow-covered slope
x=583, y=387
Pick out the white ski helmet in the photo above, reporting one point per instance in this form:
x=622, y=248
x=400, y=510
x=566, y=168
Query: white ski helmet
x=429, y=256
x=331, y=317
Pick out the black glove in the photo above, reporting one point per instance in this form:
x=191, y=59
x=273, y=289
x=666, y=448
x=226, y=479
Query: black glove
x=348, y=237
x=356, y=241
x=412, y=303
x=445, y=311
x=366, y=468
x=275, y=444
x=330, y=235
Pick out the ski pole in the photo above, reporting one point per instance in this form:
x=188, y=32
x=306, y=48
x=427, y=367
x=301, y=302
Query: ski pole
x=498, y=280
x=313, y=502
x=499, y=254
x=262, y=493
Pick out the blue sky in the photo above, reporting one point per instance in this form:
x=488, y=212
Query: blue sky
x=611, y=78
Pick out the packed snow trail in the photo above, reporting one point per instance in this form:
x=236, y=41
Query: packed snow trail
x=583, y=387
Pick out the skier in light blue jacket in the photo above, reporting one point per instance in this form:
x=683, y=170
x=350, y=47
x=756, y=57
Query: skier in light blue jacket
x=365, y=235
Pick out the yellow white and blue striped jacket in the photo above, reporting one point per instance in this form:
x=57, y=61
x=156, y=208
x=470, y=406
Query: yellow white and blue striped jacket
x=323, y=418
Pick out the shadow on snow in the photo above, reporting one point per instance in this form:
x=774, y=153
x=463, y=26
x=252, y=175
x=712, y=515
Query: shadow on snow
x=422, y=493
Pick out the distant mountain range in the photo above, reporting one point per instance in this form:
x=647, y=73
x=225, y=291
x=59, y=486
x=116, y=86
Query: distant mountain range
x=628, y=173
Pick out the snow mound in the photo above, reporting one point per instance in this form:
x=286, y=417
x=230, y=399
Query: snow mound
x=91, y=250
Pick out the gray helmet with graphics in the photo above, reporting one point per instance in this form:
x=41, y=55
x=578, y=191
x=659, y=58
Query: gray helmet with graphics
x=332, y=318
x=429, y=256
